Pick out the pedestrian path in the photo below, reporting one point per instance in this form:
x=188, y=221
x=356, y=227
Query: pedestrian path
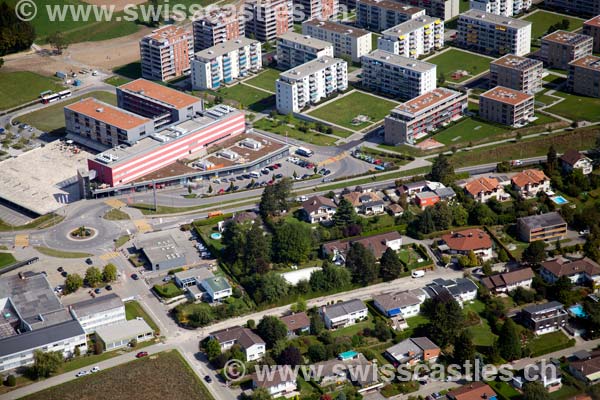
x=115, y=203
x=22, y=240
x=142, y=226
x=110, y=255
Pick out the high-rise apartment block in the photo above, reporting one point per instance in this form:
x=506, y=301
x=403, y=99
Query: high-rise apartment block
x=166, y=53
x=217, y=27
x=561, y=47
x=417, y=117
x=225, y=62
x=577, y=7
x=444, y=9
x=294, y=49
x=506, y=106
x=347, y=41
x=592, y=28
x=319, y=9
x=310, y=83
x=493, y=34
x=396, y=75
x=518, y=73
x=506, y=8
x=413, y=38
x=379, y=15
x=584, y=76
x=267, y=19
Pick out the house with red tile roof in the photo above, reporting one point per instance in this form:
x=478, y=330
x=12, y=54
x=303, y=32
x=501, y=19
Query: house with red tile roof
x=473, y=391
x=483, y=189
x=465, y=241
x=530, y=182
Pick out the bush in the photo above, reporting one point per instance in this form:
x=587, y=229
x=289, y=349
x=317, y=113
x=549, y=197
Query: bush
x=11, y=380
x=168, y=290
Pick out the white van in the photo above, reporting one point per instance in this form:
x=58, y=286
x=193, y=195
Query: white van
x=417, y=273
x=255, y=174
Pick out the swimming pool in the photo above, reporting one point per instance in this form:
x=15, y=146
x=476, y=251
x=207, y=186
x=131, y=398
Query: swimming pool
x=215, y=236
x=559, y=200
x=347, y=355
x=578, y=311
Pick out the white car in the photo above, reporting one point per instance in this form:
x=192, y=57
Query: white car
x=81, y=373
x=95, y=369
x=417, y=273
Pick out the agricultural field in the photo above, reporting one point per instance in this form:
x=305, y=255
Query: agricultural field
x=172, y=379
x=17, y=88
x=454, y=60
x=542, y=20
x=265, y=80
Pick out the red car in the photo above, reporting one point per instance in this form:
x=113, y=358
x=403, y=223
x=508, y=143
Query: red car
x=275, y=166
x=141, y=354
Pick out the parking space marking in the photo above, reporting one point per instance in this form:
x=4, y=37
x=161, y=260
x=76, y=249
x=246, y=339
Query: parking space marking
x=109, y=256
x=22, y=240
x=142, y=226
x=115, y=203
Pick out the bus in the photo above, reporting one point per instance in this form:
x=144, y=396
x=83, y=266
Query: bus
x=303, y=151
x=52, y=97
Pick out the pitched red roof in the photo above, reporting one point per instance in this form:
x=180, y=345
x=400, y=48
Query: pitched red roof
x=507, y=278
x=468, y=239
x=528, y=177
x=482, y=184
x=473, y=391
x=561, y=267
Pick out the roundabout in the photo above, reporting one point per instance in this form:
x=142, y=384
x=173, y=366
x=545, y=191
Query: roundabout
x=82, y=233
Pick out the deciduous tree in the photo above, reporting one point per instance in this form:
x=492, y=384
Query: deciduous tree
x=271, y=329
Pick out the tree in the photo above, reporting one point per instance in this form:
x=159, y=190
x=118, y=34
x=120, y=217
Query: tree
x=502, y=255
x=260, y=394
x=382, y=330
x=210, y=189
x=535, y=390
x=316, y=324
x=73, y=282
x=464, y=349
x=256, y=250
x=58, y=41
x=270, y=287
x=552, y=160
x=201, y=315
x=292, y=241
x=360, y=261
x=271, y=329
x=317, y=352
x=11, y=380
x=509, y=345
x=441, y=79
x=441, y=170
x=93, y=276
x=446, y=320
x=390, y=265
x=345, y=214
x=1, y=62
x=290, y=356
x=213, y=349
x=535, y=253
x=109, y=273
x=46, y=363
x=17, y=35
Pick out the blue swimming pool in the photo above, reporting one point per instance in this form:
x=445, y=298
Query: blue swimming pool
x=578, y=311
x=559, y=200
x=215, y=236
x=347, y=355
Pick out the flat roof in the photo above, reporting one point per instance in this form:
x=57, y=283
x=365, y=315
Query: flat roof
x=161, y=248
x=167, y=33
x=40, y=337
x=542, y=220
x=31, y=296
x=400, y=61
x=516, y=62
x=196, y=273
x=593, y=21
x=304, y=40
x=161, y=93
x=566, y=37
x=427, y=101
x=506, y=95
x=123, y=330
x=310, y=67
x=589, y=62
x=96, y=305
x=337, y=27
x=410, y=25
x=495, y=19
x=216, y=283
x=107, y=113
x=224, y=48
x=394, y=6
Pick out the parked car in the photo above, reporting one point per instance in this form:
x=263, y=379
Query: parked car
x=97, y=290
x=135, y=277
x=108, y=287
x=417, y=273
x=64, y=274
x=89, y=261
x=81, y=373
x=208, y=379
x=141, y=354
x=95, y=369
x=60, y=269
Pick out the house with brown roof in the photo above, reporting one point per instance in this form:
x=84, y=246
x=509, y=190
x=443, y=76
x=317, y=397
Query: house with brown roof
x=483, y=189
x=378, y=244
x=465, y=241
x=365, y=202
x=278, y=382
x=587, y=369
x=412, y=351
x=405, y=304
x=580, y=271
x=251, y=344
x=473, y=391
x=530, y=182
x=572, y=159
x=395, y=210
x=509, y=281
x=318, y=209
x=296, y=323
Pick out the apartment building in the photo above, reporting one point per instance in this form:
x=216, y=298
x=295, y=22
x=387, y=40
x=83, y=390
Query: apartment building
x=379, y=15
x=294, y=49
x=163, y=105
x=544, y=318
x=413, y=38
x=549, y=226
x=506, y=8
x=506, y=106
x=267, y=19
x=166, y=53
x=591, y=28
x=319, y=9
x=98, y=312
x=347, y=41
x=310, y=83
x=518, y=73
x=444, y=9
x=561, y=47
x=216, y=27
x=576, y=7
x=397, y=75
x=584, y=76
x=417, y=117
x=225, y=62
x=494, y=34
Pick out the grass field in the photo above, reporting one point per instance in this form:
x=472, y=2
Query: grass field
x=121, y=240
x=52, y=119
x=17, y=88
x=320, y=139
x=542, y=20
x=577, y=108
x=6, y=259
x=61, y=254
x=344, y=109
x=117, y=80
x=466, y=130
x=454, y=59
x=253, y=99
x=171, y=379
x=548, y=343
x=265, y=80
x=116, y=215
x=45, y=221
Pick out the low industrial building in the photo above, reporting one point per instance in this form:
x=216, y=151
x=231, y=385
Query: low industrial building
x=162, y=252
x=413, y=38
x=591, y=28
x=559, y=48
x=294, y=49
x=549, y=226
x=98, y=312
x=544, y=318
x=347, y=41
x=508, y=281
x=344, y=314
x=584, y=76
x=517, y=73
x=506, y=106
x=122, y=334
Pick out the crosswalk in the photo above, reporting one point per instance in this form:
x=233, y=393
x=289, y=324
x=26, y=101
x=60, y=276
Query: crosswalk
x=142, y=226
x=22, y=240
x=331, y=160
x=109, y=256
x=115, y=203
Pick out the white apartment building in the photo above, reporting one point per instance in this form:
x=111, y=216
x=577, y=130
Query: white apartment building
x=488, y=33
x=217, y=27
x=379, y=15
x=319, y=9
x=444, y=9
x=267, y=19
x=225, y=62
x=397, y=75
x=166, y=53
x=101, y=311
x=413, y=38
x=294, y=49
x=506, y=8
x=310, y=83
x=347, y=41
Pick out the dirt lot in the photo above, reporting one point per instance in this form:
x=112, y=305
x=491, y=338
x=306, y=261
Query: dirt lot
x=119, y=4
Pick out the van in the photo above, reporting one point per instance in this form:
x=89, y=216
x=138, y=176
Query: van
x=418, y=273
x=254, y=174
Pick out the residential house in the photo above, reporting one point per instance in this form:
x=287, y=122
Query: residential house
x=330, y=372
x=253, y=346
x=472, y=391
x=541, y=227
x=579, y=272
x=378, y=244
x=544, y=318
x=465, y=241
x=426, y=199
x=530, y=182
x=191, y=277
x=344, y=314
x=484, y=188
x=296, y=323
x=509, y=281
x=279, y=383
x=412, y=351
x=217, y=288
x=412, y=188
x=365, y=202
x=587, y=369
x=395, y=210
x=572, y=159
x=462, y=289
x=318, y=209
x=406, y=304
x=549, y=375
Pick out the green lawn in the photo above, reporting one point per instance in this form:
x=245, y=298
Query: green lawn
x=577, y=108
x=482, y=333
x=121, y=240
x=130, y=71
x=344, y=109
x=454, y=60
x=61, y=254
x=116, y=215
x=52, y=118
x=17, y=88
x=117, y=80
x=548, y=343
x=6, y=259
x=133, y=310
x=542, y=20
x=505, y=389
x=253, y=99
x=265, y=80
x=466, y=130
x=312, y=137
x=353, y=329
